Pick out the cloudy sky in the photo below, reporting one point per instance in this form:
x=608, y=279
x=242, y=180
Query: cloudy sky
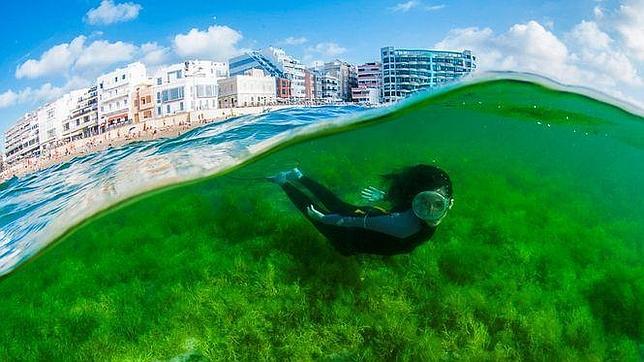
x=56, y=46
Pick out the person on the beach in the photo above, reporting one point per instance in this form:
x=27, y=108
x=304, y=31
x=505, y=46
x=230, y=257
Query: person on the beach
x=421, y=197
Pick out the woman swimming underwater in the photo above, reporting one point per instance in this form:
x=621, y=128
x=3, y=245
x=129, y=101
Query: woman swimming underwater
x=421, y=197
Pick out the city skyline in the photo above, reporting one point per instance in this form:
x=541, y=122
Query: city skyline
x=93, y=37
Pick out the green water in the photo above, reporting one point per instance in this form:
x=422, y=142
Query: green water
x=541, y=257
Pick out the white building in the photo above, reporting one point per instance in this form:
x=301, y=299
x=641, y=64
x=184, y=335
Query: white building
x=250, y=89
x=330, y=86
x=83, y=119
x=22, y=139
x=188, y=86
x=293, y=70
x=53, y=116
x=114, y=92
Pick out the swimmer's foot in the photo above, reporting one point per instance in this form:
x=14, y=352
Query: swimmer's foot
x=285, y=176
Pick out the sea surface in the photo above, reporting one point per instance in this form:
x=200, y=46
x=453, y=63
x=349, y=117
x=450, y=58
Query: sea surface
x=37, y=208
x=179, y=249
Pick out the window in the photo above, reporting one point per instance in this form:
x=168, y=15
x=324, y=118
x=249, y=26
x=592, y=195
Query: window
x=168, y=108
x=206, y=90
x=159, y=111
x=181, y=106
x=123, y=77
x=172, y=94
x=158, y=97
x=159, y=81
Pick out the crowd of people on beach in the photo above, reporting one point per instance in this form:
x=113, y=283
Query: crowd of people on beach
x=64, y=150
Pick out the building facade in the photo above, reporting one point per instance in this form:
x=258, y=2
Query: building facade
x=369, y=83
x=52, y=118
x=22, y=139
x=405, y=71
x=114, y=95
x=345, y=74
x=254, y=60
x=309, y=84
x=142, y=102
x=283, y=88
x=330, y=88
x=83, y=118
x=292, y=69
x=188, y=86
x=251, y=89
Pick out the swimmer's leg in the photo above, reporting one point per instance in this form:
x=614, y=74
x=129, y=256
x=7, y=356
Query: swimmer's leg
x=298, y=198
x=332, y=202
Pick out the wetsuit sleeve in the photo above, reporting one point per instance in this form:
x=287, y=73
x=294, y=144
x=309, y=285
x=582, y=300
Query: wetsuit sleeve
x=399, y=225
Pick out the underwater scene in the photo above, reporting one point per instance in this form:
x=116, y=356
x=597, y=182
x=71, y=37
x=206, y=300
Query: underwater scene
x=541, y=256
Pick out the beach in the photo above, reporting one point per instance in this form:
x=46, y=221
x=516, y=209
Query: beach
x=165, y=127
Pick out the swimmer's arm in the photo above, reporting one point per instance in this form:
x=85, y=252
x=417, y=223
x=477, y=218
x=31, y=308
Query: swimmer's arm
x=399, y=225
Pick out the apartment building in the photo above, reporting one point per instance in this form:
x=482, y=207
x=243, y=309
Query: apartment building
x=250, y=89
x=188, y=86
x=115, y=92
x=22, y=139
x=83, y=119
x=369, y=83
x=52, y=118
x=406, y=71
x=142, y=102
x=345, y=74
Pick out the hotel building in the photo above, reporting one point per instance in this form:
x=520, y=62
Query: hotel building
x=251, y=89
x=406, y=71
x=330, y=88
x=188, y=86
x=22, y=139
x=369, y=84
x=345, y=74
x=83, y=120
x=142, y=102
x=114, y=95
x=53, y=116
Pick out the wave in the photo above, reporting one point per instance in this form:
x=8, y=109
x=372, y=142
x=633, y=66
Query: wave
x=40, y=208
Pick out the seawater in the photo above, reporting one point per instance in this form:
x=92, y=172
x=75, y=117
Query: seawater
x=541, y=257
x=37, y=208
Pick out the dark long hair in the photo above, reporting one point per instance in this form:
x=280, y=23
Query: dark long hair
x=410, y=181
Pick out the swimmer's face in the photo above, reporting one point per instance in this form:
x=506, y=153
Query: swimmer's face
x=432, y=206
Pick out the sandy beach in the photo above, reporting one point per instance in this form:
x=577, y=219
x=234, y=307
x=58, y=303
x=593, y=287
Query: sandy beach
x=166, y=127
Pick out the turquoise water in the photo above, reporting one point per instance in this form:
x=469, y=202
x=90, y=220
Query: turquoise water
x=37, y=208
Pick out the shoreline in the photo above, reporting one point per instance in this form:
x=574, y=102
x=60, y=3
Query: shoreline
x=152, y=129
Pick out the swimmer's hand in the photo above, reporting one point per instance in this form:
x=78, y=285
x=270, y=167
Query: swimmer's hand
x=372, y=194
x=313, y=213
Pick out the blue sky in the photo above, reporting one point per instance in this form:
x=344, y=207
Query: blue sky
x=55, y=46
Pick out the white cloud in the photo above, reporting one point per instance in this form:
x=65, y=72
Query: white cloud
x=153, y=53
x=588, y=35
x=629, y=23
x=8, y=99
x=57, y=59
x=46, y=92
x=294, y=40
x=527, y=47
x=102, y=53
x=405, y=7
x=81, y=57
x=415, y=4
x=218, y=42
x=109, y=13
x=586, y=55
x=328, y=49
x=434, y=7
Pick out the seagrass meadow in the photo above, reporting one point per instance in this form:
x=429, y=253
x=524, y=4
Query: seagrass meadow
x=541, y=257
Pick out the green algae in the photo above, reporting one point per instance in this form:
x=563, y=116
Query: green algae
x=540, y=259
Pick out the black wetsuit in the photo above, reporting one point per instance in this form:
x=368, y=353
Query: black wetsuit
x=359, y=229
